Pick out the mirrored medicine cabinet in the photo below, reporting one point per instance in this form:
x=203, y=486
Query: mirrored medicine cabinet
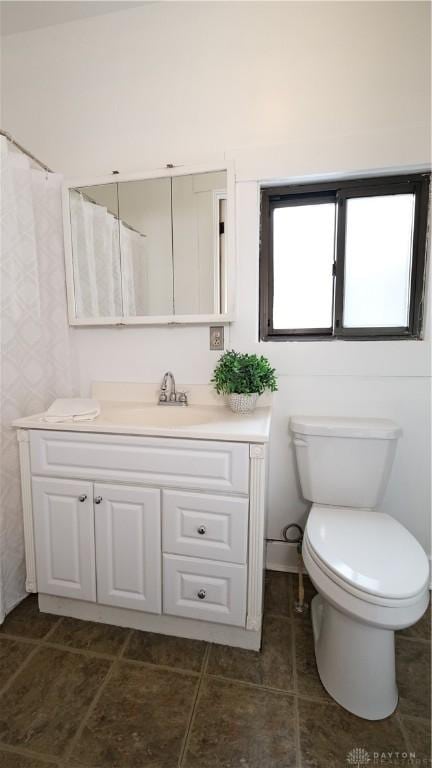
x=149, y=249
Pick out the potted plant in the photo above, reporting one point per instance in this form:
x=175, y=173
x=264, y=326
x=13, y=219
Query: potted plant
x=243, y=378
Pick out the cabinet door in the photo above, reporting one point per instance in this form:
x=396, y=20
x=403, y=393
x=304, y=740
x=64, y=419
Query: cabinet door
x=64, y=537
x=128, y=547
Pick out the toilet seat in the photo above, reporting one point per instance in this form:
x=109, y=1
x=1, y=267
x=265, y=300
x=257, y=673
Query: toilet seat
x=368, y=554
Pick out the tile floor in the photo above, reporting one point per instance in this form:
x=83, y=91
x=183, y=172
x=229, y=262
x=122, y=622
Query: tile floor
x=81, y=695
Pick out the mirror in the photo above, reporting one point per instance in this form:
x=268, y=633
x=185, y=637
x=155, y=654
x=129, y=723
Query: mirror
x=148, y=248
x=198, y=216
x=96, y=251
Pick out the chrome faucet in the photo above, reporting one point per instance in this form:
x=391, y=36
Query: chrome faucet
x=174, y=398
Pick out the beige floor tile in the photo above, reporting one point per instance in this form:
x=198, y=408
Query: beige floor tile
x=12, y=655
x=89, y=636
x=278, y=593
x=237, y=726
x=167, y=651
x=419, y=738
x=272, y=667
x=27, y=621
x=413, y=676
x=329, y=736
x=139, y=721
x=43, y=707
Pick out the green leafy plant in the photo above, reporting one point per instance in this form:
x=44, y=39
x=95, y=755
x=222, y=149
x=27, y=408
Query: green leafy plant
x=243, y=374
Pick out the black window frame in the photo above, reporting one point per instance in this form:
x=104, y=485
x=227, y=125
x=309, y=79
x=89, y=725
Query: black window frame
x=339, y=192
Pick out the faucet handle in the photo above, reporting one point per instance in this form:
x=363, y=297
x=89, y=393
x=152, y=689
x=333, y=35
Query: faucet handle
x=182, y=398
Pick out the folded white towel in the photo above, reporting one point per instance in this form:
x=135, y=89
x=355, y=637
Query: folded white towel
x=72, y=409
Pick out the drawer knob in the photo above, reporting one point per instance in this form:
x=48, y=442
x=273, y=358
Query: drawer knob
x=202, y=594
x=98, y=499
x=82, y=497
x=202, y=530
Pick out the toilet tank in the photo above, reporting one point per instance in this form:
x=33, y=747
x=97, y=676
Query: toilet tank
x=344, y=462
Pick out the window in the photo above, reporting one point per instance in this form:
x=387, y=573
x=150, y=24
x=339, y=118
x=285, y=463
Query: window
x=343, y=260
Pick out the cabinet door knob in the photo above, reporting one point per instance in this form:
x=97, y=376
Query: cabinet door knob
x=98, y=499
x=202, y=594
x=202, y=530
x=82, y=497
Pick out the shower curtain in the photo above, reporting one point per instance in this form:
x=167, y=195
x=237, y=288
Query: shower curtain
x=134, y=268
x=95, y=245
x=35, y=361
x=109, y=260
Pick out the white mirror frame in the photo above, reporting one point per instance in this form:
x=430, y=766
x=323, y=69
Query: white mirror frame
x=172, y=319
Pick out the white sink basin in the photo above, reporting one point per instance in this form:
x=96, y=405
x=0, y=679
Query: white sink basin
x=169, y=416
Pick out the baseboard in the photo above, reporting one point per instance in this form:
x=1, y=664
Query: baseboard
x=281, y=556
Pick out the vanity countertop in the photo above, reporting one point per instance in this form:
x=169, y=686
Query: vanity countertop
x=202, y=420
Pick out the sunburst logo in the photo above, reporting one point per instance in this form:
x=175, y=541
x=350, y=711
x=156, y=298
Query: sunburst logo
x=358, y=757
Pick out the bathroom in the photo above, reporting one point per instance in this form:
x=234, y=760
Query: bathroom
x=277, y=96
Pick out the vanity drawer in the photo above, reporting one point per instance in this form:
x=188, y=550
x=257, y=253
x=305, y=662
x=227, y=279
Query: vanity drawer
x=203, y=589
x=202, y=464
x=205, y=525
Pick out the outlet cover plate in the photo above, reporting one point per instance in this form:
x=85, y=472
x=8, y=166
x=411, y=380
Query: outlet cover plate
x=216, y=338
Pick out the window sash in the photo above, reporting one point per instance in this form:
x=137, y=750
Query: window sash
x=275, y=197
x=314, y=199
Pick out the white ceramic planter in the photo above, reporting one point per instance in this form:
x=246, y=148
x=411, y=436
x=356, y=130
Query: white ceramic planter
x=242, y=403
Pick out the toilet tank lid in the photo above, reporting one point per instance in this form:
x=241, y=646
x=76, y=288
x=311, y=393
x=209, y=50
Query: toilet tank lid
x=383, y=429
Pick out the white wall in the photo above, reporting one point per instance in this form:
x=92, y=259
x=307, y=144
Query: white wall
x=288, y=90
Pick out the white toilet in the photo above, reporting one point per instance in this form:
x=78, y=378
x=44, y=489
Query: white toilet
x=370, y=573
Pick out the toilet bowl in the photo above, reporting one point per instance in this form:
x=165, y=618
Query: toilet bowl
x=370, y=573
x=379, y=584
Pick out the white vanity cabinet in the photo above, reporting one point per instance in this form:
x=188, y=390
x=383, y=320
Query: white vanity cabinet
x=160, y=534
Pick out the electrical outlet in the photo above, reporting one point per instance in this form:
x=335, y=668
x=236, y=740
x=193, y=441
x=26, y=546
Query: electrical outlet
x=216, y=337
